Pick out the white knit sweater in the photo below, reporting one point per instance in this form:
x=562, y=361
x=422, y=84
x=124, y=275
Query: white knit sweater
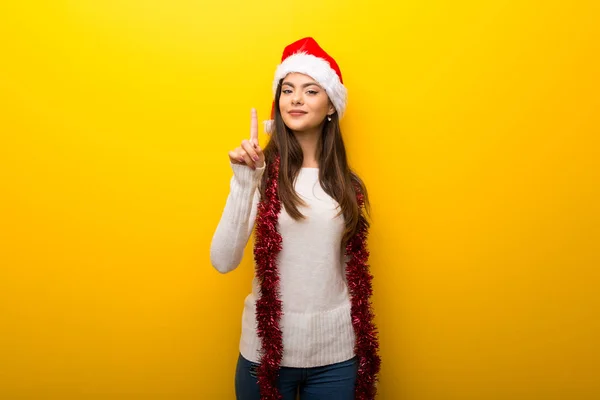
x=316, y=324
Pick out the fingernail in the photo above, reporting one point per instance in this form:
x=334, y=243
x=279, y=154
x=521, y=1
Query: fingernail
x=255, y=158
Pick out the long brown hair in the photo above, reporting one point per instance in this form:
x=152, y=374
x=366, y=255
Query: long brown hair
x=336, y=177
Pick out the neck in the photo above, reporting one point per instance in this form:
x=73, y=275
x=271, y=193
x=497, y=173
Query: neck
x=308, y=141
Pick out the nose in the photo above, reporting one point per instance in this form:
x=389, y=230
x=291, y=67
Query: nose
x=296, y=99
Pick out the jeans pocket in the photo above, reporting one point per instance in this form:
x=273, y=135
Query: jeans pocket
x=253, y=369
x=251, y=366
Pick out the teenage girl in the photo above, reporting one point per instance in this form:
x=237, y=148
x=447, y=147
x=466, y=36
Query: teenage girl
x=307, y=325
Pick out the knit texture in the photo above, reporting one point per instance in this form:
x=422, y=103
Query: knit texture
x=316, y=323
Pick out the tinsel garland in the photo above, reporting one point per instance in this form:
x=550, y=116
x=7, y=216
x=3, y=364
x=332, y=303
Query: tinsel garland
x=269, y=307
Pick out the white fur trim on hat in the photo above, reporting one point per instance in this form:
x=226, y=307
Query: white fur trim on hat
x=320, y=71
x=269, y=125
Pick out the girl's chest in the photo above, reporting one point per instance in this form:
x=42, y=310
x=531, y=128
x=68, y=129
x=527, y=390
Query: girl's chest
x=321, y=211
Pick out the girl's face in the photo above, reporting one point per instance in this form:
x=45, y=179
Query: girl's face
x=303, y=103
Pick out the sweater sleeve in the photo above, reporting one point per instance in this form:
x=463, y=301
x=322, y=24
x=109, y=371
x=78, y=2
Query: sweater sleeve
x=237, y=220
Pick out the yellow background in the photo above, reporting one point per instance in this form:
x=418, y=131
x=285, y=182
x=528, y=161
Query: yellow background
x=474, y=124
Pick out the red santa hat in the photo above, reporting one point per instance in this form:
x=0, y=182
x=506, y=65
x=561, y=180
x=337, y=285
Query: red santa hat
x=307, y=57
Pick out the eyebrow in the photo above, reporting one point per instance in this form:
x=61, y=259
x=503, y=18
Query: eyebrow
x=304, y=85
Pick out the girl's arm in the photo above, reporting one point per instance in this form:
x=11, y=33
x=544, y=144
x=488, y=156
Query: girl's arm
x=237, y=221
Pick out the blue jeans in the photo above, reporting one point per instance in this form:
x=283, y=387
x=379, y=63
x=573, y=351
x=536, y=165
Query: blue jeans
x=329, y=382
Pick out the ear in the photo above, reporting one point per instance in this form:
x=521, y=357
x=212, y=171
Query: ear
x=331, y=110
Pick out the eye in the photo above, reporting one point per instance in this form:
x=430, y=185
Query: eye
x=286, y=91
x=312, y=91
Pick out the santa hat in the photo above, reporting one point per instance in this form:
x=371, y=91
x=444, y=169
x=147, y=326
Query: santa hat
x=307, y=57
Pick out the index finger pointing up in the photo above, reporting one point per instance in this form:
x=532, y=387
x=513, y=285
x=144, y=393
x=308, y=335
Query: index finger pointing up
x=254, y=127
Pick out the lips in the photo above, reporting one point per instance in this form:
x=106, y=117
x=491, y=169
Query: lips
x=296, y=113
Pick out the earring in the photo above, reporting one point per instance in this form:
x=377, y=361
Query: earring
x=329, y=118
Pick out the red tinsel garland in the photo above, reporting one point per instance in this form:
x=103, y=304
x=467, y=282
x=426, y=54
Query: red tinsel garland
x=269, y=306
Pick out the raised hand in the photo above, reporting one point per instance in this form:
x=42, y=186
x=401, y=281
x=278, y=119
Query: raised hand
x=249, y=153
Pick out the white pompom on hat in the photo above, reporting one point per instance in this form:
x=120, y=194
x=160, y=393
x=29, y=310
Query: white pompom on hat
x=307, y=57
